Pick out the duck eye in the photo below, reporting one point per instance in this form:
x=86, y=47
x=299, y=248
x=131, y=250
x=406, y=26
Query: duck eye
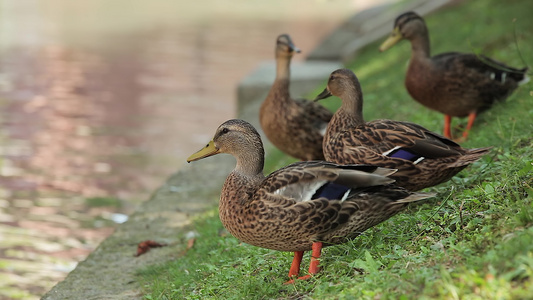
x=225, y=130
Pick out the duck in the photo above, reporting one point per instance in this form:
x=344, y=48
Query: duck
x=422, y=158
x=304, y=206
x=453, y=83
x=295, y=126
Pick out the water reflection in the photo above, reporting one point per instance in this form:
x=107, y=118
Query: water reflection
x=106, y=99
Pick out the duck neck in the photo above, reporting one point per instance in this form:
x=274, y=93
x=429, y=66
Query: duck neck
x=250, y=163
x=283, y=70
x=351, y=109
x=420, y=45
x=279, y=92
x=349, y=115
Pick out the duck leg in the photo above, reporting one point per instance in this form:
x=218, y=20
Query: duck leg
x=296, y=261
x=313, y=266
x=448, y=126
x=471, y=118
x=315, y=255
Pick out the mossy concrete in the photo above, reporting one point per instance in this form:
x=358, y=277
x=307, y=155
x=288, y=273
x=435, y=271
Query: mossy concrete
x=110, y=271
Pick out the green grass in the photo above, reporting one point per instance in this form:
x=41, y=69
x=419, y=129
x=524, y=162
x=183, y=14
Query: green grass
x=103, y=202
x=473, y=241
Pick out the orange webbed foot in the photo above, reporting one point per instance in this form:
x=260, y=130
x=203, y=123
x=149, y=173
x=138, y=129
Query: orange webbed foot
x=313, y=266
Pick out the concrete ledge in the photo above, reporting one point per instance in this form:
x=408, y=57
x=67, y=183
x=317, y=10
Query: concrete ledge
x=305, y=77
x=332, y=47
x=367, y=27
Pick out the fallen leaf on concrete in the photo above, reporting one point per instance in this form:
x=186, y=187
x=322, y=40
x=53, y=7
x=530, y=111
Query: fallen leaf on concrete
x=145, y=246
x=190, y=243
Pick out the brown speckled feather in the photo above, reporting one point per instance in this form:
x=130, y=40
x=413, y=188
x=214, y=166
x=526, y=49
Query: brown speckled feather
x=296, y=127
x=288, y=210
x=351, y=140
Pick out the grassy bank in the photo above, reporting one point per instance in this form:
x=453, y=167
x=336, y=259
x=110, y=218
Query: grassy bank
x=473, y=241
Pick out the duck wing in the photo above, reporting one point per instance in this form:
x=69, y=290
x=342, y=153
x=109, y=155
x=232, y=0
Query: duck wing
x=478, y=77
x=387, y=137
x=305, y=181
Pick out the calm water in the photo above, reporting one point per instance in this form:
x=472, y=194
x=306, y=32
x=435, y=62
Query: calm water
x=107, y=99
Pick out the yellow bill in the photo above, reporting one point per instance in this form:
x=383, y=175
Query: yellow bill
x=393, y=38
x=208, y=150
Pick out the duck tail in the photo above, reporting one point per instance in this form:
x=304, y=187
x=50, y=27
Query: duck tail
x=470, y=156
x=415, y=197
x=525, y=78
